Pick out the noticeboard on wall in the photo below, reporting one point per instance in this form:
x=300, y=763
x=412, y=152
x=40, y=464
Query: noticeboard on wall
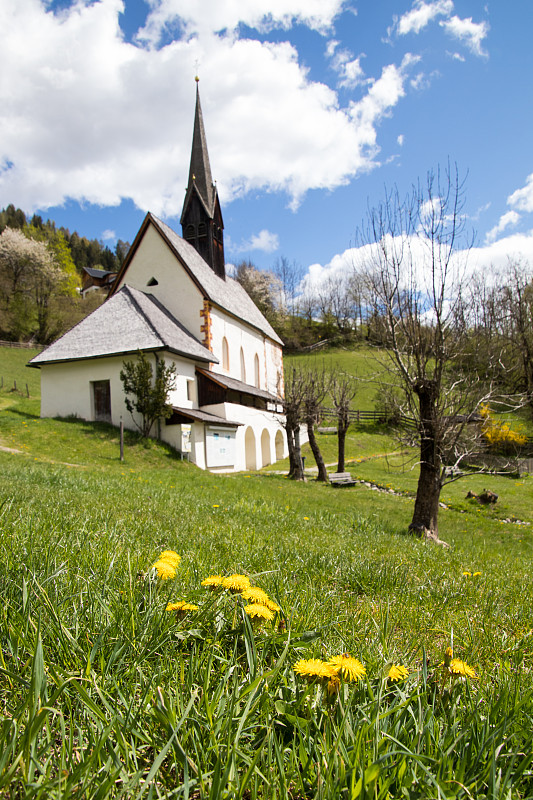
x=186, y=438
x=220, y=446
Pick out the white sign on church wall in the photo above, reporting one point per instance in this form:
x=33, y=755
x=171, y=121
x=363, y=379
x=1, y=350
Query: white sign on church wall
x=220, y=446
x=186, y=438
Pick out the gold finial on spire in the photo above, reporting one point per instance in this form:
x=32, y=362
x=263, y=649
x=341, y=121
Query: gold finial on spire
x=197, y=79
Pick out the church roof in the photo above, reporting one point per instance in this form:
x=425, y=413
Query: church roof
x=226, y=293
x=238, y=386
x=127, y=322
x=202, y=416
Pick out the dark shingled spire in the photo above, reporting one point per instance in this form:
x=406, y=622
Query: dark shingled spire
x=201, y=218
x=200, y=169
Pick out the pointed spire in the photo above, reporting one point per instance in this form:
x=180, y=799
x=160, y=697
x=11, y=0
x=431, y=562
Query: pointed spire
x=201, y=218
x=200, y=169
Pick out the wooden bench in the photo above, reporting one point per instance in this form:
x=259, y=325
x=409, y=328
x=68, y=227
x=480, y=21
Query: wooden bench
x=341, y=479
x=327, y=430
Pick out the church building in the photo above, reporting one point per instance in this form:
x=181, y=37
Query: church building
x=173, y=300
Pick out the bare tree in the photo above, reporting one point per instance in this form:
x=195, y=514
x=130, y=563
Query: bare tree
x=343, y=390
x=289, y=276
x=315, y=390
x=415, y=257
x=294, y=389
x=514, y=302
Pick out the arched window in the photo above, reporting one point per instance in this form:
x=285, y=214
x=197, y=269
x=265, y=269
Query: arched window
x=243, y=367
x=190, y=233
x=225, y=353
x=202, y=229
x=256, y=372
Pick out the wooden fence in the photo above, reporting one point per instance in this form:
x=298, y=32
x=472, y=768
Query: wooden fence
x=28, y=345
x=361, y=416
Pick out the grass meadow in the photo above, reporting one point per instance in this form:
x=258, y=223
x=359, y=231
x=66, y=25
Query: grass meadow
x=104, y=693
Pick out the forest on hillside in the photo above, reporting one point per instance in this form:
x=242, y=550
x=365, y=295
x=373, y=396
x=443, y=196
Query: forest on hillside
x=41, y=268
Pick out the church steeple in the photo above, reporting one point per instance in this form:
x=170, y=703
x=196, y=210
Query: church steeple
x=201, y=218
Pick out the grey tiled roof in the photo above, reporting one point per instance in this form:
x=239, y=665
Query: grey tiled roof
x=238, y=386
x=204, y=416
x=228, y=294
x=97, y=273
x=129, y=321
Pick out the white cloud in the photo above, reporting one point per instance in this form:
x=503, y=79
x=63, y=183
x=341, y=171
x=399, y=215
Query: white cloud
x=471, y=33
x=455, y=56
x=419, y=82
x=489, y=259
x=349, y=68
x=421, y=15
x=381, y=97
x=264, y=240
x=109, y=236
x=508, y=220
x=522, y=199
x=400, y=139
x=212, y=16
x=128, y=131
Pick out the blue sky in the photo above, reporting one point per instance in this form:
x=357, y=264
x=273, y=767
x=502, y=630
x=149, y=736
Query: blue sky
x=311, y=108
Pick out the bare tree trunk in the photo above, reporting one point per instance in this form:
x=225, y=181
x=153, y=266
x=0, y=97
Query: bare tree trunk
x=425, y=515
x=295, y=454
x=341, y=445
x=426, y=511
x=322, y=472
x=298, y=471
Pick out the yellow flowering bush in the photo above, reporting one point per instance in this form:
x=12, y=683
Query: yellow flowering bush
x=499, y=434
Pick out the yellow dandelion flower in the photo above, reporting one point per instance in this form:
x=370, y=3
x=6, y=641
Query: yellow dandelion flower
x=314, y=668
x=171, y=556
x=258, y=611
x=236, y=583
x=397, y=672
x=476, y=574
x=347, y=667
x=458, y=667
x=306, y=518
x=181, y=605
x=213, y=581
x=216, y=505
x=448, y=655
x=255, y=594
x=271, y=605
x=467, y=574
x=164, y=569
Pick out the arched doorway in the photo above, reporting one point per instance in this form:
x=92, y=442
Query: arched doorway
x=279, y=445
x=265, y=448
x=249, y=449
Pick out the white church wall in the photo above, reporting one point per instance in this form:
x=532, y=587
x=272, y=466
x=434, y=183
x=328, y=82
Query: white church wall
x=255, y=441
x=66, y=388
x=175, y=289
x=253, y=343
